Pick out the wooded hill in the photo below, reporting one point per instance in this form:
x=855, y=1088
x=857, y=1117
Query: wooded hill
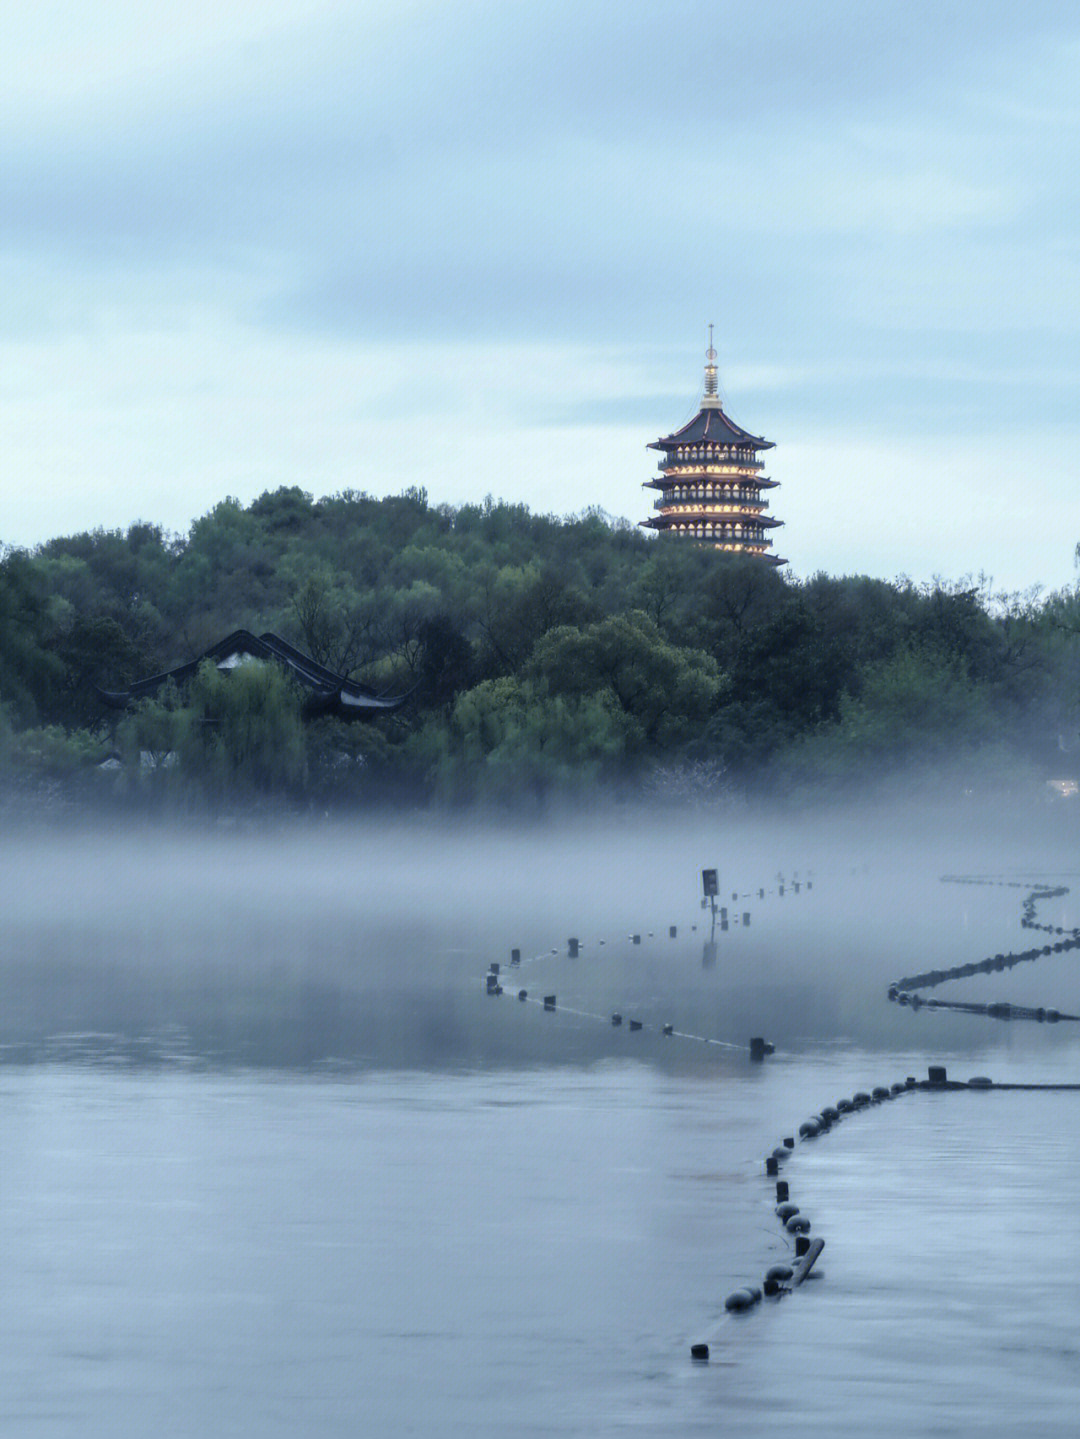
x=546, y=656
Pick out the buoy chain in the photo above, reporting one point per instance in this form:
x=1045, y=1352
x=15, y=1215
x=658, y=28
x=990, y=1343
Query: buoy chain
x=906, y=991
x=782, y=1279
x=758, y=1048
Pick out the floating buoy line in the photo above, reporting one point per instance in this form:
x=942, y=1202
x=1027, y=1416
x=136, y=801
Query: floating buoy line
x=757, y=1047
x=907, y=990
x=782, y=1279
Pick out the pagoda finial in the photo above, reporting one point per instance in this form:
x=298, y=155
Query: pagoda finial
x=712, y=396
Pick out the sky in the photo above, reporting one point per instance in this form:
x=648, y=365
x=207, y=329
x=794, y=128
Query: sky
x=474, y=247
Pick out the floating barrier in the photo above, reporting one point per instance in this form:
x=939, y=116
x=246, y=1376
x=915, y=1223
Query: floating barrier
x=908, y=991
x=783, y=1279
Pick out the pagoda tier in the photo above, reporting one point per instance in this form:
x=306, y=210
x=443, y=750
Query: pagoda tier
x=710, y=481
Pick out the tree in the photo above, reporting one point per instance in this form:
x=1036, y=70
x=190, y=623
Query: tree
x=666, y=690
x=243, y=731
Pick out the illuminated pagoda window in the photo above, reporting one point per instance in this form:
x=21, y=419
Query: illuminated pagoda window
x=712, y=490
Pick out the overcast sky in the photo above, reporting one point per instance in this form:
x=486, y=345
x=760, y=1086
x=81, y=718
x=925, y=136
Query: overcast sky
x=474, y=247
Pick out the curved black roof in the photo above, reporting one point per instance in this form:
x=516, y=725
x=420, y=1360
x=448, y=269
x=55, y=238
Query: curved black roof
x=328, y=693
x=710, y=423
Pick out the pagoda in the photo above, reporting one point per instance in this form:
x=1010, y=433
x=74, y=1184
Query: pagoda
x=710, y=481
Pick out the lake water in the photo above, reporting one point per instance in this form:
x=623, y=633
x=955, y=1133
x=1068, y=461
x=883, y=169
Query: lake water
x=373, y=1200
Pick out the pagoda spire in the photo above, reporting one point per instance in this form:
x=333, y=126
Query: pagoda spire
x=711, y=397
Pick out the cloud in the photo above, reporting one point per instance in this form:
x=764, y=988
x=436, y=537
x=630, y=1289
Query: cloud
x=244, y=247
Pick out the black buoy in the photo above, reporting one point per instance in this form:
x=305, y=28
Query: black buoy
x=772, y=1166
x=549, y=1001
x=668, y=1029
x=515, y=956
x=746, y=917
x=782, y=1190
x=616, y=1020
x=802, y=1245
x=789, y=1142
x=636, y=938
x=673, y=930
x=492, y=983
x=572, y=948
x=523, y=994
x=493, y=969
x=699, y=1352
x=759, y=1047
x=761, y=894
x=635, y=1024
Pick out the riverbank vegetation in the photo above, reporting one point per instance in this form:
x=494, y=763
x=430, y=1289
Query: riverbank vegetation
x=545, y=657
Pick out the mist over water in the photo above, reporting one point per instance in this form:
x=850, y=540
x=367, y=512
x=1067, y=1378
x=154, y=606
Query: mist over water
x=270, y=1147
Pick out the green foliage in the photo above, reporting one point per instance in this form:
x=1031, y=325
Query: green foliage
x=664, y=691
x=541, y=656
x=242, y=732
x=51, y=750
x=509, y=739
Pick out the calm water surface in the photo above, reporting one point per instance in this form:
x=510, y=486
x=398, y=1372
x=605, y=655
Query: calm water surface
x=273, y=1165
x=528, y=1252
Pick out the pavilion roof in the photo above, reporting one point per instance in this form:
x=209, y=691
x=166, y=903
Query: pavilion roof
x=328, y=693
x=711, y=424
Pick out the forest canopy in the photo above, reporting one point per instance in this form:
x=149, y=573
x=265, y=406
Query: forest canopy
x=543, y=657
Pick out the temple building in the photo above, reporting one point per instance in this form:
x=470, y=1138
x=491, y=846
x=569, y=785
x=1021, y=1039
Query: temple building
x=324, y=691
x=712, y=490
